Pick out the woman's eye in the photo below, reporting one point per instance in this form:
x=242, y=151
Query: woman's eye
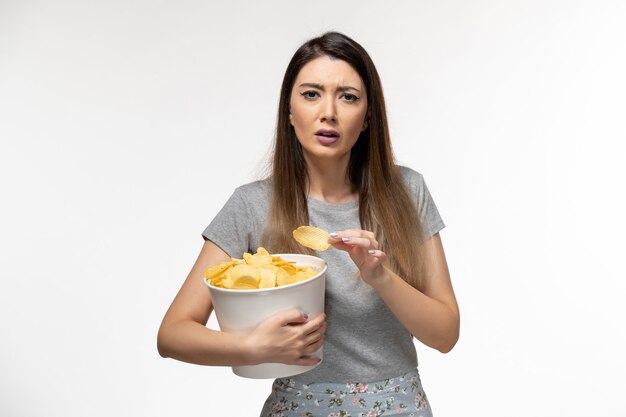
x=350, y=97
x=309, y=95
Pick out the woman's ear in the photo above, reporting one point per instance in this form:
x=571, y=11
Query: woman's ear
x=366, y=122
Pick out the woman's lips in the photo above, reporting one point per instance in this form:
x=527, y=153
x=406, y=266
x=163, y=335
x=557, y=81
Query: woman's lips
x=327, y=136
x=327, y=140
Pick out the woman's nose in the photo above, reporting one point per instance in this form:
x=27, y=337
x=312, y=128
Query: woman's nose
x=329, y=111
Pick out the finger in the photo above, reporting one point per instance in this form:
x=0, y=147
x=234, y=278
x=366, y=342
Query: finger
x=357, y=232
x=307, y=360
x=293, y=316
x=378, y=254
x=314, y=324
x=338, y=244
x=313, y=339
x=334, y=237
x=314, y=333
x=354, y=235
x=361, y=242
x=315, y=346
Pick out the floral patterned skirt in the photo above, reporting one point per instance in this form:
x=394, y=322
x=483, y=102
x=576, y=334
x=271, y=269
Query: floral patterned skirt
x=399, y=396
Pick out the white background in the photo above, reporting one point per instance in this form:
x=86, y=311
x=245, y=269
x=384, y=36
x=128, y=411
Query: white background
x=125, y=126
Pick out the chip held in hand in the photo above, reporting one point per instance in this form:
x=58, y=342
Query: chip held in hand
x=312, y=237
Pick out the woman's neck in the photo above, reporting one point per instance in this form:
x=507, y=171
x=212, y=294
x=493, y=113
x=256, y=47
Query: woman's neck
x=329, y=181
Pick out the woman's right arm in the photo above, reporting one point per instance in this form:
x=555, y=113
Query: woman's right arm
x=287, y=337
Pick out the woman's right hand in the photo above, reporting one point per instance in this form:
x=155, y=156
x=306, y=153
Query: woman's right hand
x=289, y=337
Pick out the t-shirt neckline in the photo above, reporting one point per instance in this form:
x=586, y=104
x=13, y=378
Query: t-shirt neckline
x=313, y=202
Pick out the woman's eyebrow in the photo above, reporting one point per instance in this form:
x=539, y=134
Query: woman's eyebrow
x=321, y=87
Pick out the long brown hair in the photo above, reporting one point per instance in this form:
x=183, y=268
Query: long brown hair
x=385, y=206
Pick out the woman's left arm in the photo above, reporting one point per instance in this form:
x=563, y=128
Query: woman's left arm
x=432, y=314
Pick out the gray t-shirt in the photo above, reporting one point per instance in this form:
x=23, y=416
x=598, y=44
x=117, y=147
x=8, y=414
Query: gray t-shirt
x=364, y=340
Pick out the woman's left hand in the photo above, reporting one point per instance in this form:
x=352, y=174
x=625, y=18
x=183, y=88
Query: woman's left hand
x=362, y=247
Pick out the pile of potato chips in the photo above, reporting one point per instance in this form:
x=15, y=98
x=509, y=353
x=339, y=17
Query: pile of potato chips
x=260, y=270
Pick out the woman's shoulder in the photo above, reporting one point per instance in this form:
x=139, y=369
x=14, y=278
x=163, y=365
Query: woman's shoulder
x=411, y=177
x=254, y=191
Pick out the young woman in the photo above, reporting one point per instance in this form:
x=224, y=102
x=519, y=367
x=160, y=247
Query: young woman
x=387, y=279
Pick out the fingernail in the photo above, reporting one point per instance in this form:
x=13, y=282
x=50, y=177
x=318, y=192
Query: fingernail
x=345, y=239
x=371, y=252
x=334, y=234
x=306, y=316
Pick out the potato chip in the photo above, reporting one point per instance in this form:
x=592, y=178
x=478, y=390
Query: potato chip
x=225, y=280
x=312, y=237
x=284, y=278
x=245, y=271
x=290, y=269
x=219, y=269
x=260, y=258
x=260, y=270
x=268, y=276
x=304, y=274
x=245, y=283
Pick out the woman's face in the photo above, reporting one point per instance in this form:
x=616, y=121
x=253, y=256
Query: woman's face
x=328, y=108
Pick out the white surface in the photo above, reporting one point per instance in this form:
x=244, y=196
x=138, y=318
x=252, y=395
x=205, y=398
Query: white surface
x=125, y=125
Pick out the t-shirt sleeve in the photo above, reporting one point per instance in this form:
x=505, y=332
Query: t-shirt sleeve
x=429, y=215
x=232, y=227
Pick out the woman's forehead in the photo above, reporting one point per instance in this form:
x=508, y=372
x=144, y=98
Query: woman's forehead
x=329, y=72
